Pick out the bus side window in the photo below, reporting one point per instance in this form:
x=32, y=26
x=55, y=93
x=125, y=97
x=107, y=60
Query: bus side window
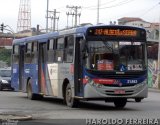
x=28, y=52
x=50, y=55
x=68, y=50
x=34, y=46
x=28, y=47
x=59, y=49
x=15, y=54
x=34, y=52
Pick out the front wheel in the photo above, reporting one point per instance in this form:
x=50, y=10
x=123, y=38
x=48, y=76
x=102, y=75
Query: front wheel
x=138, y=99
x=70, y=101
x=120, y=103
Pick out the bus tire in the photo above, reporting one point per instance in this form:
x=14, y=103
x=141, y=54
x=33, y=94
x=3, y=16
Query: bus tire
x=120, y=102
x=1, y=87
x=138, y=99
x=70, y=101
x=30, y=93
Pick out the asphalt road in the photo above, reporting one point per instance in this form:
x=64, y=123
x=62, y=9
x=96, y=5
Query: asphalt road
x=53, y=111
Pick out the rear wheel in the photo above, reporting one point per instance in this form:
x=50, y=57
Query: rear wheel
x=1, y=87
x=120, y=103
x=70, y=101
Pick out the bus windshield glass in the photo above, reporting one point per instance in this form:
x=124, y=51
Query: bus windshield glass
x=115, y=56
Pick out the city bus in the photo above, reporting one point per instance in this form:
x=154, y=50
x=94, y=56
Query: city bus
x=101, y=62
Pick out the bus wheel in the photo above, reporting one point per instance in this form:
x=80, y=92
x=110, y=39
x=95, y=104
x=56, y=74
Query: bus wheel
x=120, y=103
x=30, y=95
x=1, y=87
x=70, y=101
x=138, y=99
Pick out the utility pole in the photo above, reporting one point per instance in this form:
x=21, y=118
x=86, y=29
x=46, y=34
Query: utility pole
x=54, y=17
x=67, y=13
x=74, y=13
x=98, y=4
x=47, y=16
x=79, y=17
x=57, y=23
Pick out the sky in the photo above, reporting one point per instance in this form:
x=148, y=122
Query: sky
x=110, y=10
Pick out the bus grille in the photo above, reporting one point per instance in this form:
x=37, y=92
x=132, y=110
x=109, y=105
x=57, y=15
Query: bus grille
x=116, y=85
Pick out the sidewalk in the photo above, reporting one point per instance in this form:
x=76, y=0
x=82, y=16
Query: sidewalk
x=153, y=90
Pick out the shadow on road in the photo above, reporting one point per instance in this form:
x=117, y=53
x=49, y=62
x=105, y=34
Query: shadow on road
x=89, y=105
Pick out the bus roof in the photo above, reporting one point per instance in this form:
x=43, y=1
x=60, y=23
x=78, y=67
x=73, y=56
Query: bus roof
x=79, y=30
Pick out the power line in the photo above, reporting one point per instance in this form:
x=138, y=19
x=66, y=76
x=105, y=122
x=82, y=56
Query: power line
x=149, y=9
x=73, y=12
x=88, y=7
x=117, y=4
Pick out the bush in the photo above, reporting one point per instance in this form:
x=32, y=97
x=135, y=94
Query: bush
x=5, y=55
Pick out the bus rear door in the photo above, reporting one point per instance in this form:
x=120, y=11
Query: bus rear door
x=42, y=67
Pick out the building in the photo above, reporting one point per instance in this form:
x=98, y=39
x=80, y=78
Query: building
x=6, y=43
x=132, y=21
x=153, y=30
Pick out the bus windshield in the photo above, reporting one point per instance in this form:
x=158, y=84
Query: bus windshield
x=115, y=55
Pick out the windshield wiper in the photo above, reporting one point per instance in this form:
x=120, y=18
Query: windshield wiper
x=108, y=46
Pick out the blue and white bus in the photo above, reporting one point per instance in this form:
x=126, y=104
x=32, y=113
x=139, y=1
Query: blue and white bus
x=84, y=63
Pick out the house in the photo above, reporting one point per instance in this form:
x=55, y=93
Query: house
x=133, y=21
x=6, y=43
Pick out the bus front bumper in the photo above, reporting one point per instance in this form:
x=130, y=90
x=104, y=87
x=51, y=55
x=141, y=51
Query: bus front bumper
x=137, y=91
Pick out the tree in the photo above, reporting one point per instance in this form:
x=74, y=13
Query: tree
x=5, y=55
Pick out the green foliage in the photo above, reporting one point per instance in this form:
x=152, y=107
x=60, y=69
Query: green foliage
x=5, y=55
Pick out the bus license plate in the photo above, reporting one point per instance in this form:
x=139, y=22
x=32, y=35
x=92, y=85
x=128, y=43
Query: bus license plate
x=119, y=91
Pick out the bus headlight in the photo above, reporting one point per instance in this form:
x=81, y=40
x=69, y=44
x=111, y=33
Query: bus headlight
x=99, y=85
x=141, y=84
x=86, y=80
x=96, y=84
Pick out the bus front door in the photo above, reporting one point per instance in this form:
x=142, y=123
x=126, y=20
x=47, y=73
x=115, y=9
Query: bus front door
x=21, y=67
x=78, y=69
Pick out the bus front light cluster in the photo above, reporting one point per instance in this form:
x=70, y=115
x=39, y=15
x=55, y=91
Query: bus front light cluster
x=142, y=84
x=86, y=80
x=96, y=84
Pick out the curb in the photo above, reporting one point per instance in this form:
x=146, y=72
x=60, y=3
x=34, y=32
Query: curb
x=5, y=117
x=153, y=90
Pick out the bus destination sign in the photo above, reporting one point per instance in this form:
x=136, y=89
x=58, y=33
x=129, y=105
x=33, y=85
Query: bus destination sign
x=113, y=32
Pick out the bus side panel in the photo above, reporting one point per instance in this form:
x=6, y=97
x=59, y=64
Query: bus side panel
x=15, y=77
x=31, y=72
x=57, y=73
x=64, y=72
x=52, y=79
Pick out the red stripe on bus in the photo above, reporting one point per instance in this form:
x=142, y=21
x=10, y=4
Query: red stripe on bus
x=104, y=81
